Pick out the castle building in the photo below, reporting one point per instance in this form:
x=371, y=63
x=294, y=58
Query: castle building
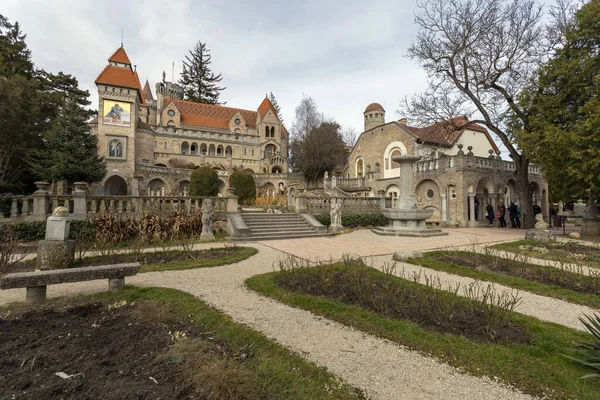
x=459, y=174
x=152, y=144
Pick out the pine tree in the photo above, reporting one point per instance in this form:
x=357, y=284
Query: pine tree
x=69, y=152
x=199, y=82
x=276, y=106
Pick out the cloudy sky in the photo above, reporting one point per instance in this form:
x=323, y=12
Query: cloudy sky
x=344, y=54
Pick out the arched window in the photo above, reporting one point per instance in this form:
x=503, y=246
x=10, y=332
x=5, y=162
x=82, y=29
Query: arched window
x=211, y=150
x=360, y=168
x=228, y=151
x=266, y=131
x=270, y=150
x=115, y=149
x=395, y=152
x=165, y=145
x=203, y=149
x=194, y=148
x=185, y=148
x=273, y=131
x=219, y=151
x=171, y=124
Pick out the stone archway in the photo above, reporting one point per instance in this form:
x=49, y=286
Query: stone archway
x=156, y=187
x=267, y=189
x=115, y=186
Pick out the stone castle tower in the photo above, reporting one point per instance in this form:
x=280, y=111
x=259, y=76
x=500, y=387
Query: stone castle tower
x=374, y=116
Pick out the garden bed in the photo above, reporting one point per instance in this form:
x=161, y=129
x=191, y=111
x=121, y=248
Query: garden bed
x=570, y=252
x=559, y=283
x=534, y=365
x=162, y=260
x=150, y=344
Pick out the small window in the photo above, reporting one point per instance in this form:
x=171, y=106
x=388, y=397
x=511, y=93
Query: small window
x=430, y=194
x=144, y=161
x=115, y=149
x=171, y=113
x=244, y=151
x=252, y=152
x=237, y=121
x=171, y=124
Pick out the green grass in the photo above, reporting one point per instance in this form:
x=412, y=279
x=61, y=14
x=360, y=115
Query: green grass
x=554, y=291
x=276, y=371
x=242, y=253
x=553, y=255
x=535, y=369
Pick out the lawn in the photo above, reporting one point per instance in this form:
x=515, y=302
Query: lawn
x=534, y=365
x=568, y=252
x=543, y=280
x=148, y=343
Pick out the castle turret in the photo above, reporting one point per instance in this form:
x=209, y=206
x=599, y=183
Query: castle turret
x=374, y=116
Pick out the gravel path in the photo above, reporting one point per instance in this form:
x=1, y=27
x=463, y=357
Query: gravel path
x=381, y=368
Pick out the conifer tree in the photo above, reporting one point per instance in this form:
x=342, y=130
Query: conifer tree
x=199, y=82
x=69, y=151
x=276, y=106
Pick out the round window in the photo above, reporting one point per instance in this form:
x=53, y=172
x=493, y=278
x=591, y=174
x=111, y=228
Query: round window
x=430, y=194
x=237, y=121
x=171, y=113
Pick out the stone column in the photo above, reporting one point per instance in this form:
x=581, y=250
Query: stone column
x=232, y=202
x=14, y=208
x=444, y=207
x=301, y=204
x=472, y=223
x=79, y=201
x=41, y=199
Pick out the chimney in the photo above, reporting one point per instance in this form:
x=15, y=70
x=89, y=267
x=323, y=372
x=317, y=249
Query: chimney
x=403, y=121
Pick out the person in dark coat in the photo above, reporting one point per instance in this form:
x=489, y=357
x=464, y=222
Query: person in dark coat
x=490, y=213
x=512, y=214
x=501, y=214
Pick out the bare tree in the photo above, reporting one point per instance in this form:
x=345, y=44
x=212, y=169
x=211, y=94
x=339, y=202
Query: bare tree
x=307, y=118
x=349, y=134
x=479, y=54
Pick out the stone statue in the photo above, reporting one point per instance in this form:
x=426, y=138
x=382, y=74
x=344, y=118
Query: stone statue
x=326, y=176
x=62, y=212
x=540, y=223
x=207, y=216
x=336, y=214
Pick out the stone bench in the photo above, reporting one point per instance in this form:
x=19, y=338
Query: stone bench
x=36, y=281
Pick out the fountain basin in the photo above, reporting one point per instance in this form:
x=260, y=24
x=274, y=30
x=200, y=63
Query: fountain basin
x=407, y=223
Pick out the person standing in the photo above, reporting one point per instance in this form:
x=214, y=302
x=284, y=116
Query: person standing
x=501, y=214
x=512, y=213
x=518, y=216
x=490, y=213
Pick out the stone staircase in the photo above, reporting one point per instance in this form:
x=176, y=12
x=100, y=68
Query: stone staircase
x=268, y=226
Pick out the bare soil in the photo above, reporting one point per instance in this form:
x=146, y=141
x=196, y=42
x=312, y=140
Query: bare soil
x=121, y=353
x=534, y=273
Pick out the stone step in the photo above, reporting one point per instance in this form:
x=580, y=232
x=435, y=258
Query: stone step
x=276, y=229
x=267, y=225
x=270, y=216
x=260, y=238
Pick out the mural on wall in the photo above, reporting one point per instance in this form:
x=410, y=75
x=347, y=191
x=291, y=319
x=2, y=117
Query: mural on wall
x=117, y=113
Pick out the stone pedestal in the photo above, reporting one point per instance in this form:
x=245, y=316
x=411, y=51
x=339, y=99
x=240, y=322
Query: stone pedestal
x=205, y=236
x=590, y=227
x=35, y=294
x=55, y=254
x=336, y=228
x=57, y=228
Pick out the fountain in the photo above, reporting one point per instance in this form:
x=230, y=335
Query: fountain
x=406, y=218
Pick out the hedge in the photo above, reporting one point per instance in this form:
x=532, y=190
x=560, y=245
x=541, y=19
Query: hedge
x=31, y=231
x=353, y=220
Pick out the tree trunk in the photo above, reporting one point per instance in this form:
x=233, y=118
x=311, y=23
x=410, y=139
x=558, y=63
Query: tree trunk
x=525, y=192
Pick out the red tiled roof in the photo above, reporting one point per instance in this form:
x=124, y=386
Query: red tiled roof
x=264, y=107
x=447, y=133
x=94, y=121
x=120, y=56
x=374, y=107
x=139, y=88
x=147, y=91
x=210, y=116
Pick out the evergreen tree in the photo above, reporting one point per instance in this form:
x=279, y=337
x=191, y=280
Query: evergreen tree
x=69, y=152
x=199, y=82
x=245, y=187
x=276, y=106
x=565, y=110
x=204, y=182
x=24, y=112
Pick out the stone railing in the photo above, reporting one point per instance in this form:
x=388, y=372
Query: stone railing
x=469, y=161
x=322, y=205
x=38, y=206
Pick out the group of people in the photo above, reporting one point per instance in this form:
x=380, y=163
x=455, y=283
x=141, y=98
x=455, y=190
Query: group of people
x=514, y=214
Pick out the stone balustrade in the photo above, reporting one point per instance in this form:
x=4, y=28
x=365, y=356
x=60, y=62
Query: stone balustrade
x=322, y=205
x=38, y=206
x=467, y=161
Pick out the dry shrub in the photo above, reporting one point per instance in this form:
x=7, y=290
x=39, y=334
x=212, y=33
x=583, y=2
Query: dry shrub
x=8, y=244
x=212, y=372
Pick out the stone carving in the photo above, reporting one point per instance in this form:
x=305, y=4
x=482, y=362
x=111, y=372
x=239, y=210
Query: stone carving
x=207, y=218
x=62, y=212
x=540, y=223
x=336, y=214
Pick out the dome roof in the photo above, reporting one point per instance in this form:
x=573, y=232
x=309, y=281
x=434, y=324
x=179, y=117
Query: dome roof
x=374, y=107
